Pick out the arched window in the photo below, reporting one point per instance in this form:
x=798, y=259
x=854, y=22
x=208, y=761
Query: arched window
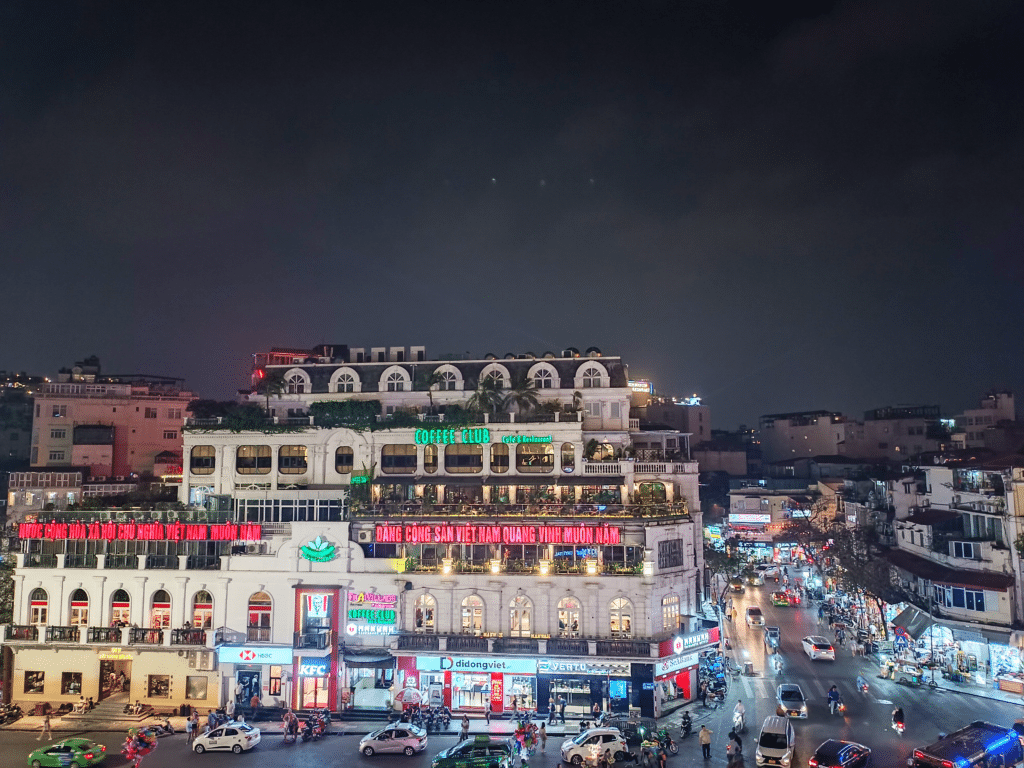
x=620, y=612
x=498, y=372
x=519, y=611
x=535, y=457
x=592, y=377
x=651, y=493
x=568, y=457
x=424, y=610
x=344, y=458
x=79, y=608
x=39, y=603
x=296, y=384
x=461, y=458
x=398, y=459
x=670, y=613
x=202, y=610
x=204, y=460
x=568, y=617
x=258, y=629
x=473, y=615
x=447, y=381
x=120, y=608
x=395, y=382
x=499, y=458
x=344, y=380
x=430, y=459
x=253, y=459
x=542, y=379
x=291, y=460
x=161, y=612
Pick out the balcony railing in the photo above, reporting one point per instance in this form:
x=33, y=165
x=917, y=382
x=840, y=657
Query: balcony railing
x=121, y=562
x=522, y=511
x=33, y=560
x=80, y=561
x=313, y=640
x=566, y=647
x=467, y=643
x=422, y=642
x=515, y=645
x=203, y=563
x=167, y=562
x=257, y=634
x=22, y=632
x=145, y=636
x=110, y=635
x=188, y=637
x=63, y=634
x=640, y=648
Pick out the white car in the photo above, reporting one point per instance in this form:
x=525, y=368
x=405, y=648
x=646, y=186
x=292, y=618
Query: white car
x=394, y=738
x=790, y=701
x=775, y=745
x=581, y=748
x=754, y=617
x=234, y=736
x=770, y=571
x=817, y=647
x=756, y=579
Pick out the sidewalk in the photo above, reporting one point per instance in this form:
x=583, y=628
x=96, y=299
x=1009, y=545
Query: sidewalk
x=968, y=689
x=477, y=725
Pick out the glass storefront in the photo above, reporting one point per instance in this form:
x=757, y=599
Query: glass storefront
x=470, y=691
x=523, y=688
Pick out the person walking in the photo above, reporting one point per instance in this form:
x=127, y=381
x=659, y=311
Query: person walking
x=190, y=731
x=561, y=708
x=238, y=691
x=229, y=710
x=464, y=733
x=551, y=710
x=45, y=733
x=704, y=736
x=543, y=735
x=704, y=693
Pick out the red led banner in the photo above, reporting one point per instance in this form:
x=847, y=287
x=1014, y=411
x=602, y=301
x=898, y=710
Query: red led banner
x=496, y=534
x=142, y=531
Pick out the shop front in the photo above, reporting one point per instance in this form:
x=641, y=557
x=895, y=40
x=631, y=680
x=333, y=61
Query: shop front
x=368, y=678
x=315, y=665
x=471, y=684
x=676, y=677
x=584, y=684
x=255, y=670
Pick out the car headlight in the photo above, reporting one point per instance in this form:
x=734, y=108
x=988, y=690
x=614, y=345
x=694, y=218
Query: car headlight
x=758, y=754
x=786, y=760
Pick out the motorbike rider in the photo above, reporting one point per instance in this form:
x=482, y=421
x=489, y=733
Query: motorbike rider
x=833, y=699
x=686, y=724
x=897, y=715
x=740, y=712
x=862, y=684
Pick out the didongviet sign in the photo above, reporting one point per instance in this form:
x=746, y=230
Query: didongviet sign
x=141, y=531
x=496, y=534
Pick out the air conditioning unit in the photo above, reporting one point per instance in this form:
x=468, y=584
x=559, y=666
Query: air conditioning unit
x=256, y=548
x=91, y=480
x=205, y=661
x=364, y=537
x=191, y=659
x=120, y=478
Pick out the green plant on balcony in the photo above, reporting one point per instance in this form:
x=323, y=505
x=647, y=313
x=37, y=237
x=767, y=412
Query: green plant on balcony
x=517, y=566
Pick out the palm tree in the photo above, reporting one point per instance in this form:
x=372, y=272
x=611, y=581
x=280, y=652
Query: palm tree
x=271, y=383
x=433, y=379
x=523, y=393
x=489, y=397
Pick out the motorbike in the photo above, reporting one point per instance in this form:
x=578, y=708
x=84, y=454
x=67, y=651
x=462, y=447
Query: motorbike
x=717, y=696
x=9, y=713
x=687, y=728
x=666, y=741
x=163, y=729
x=314, y=728
x=898, y=727
x=739, y=723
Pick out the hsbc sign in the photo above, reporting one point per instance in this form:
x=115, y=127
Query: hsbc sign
x=254, y=654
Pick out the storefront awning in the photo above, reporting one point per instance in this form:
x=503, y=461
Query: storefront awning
x=377, y=659
x=914, y=620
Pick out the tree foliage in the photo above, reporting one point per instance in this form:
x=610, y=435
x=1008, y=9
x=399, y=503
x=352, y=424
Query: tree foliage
x=353, y=414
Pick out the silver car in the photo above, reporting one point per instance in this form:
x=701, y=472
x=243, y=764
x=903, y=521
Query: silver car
x=394, y=738
x=790, y=701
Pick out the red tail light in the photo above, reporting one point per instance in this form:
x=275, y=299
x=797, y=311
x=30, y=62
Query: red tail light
x=88, y=756
x=918, y=754
x=813, y=763
x=103, y=749
x=947, y=764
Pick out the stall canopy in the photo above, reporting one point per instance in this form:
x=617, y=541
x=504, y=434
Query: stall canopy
x=913, y=620
x=368, y=658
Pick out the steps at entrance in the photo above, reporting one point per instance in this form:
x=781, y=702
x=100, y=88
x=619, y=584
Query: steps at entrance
x=111, y=708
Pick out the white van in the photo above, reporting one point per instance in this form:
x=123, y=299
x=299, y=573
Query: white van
x=776, y=742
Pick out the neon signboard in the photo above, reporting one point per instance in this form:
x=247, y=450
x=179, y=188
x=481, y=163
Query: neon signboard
x=470, y=436
x=142, y=531
x=750, y=517
x=372, y=608
x=313, y=668
x=496, y=534
x=318, y=605
x=318, y=550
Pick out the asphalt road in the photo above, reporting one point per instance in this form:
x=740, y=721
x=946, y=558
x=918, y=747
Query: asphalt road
x=868, y=717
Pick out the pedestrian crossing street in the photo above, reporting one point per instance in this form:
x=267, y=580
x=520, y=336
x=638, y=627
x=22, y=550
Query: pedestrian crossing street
x=815, y=689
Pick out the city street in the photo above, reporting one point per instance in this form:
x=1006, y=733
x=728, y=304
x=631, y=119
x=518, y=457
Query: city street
x=867, y=718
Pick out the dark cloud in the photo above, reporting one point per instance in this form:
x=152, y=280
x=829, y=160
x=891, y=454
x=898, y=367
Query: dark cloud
x=817, y=207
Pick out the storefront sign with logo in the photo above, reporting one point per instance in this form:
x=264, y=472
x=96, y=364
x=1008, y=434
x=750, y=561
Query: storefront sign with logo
x=496, y=534
x=318, y=550
x=313, y=667
x=759, y=518
x=115, y=654
x=674, y=664
x=479, y=665
x=372, y=608
x=253, y=654
x=352, y=629
x=688, y=642
x=318, y=605
x=469, y=436
x=554, y=667
x=526, y=438
x=141, y=531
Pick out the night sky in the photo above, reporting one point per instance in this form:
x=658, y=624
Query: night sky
x=779, y=212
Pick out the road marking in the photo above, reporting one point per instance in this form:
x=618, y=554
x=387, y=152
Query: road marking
x=883, y=701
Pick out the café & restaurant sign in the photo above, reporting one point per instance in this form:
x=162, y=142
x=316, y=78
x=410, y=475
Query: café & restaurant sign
x=496, y=534
x=111, y=531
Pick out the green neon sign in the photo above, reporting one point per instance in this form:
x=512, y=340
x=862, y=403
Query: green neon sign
x=318, y=550
x=526, y=439
x=373, y=615
x=470, y=436
x=359, y=480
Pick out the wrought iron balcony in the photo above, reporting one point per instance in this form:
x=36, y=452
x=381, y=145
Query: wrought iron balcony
x=62, y=634
x=567, y=647
x=313, y=640
x=145, y=636
x=422, y=642
x=110, y=635
x=22, y=632
x=515, y=645
x=467, y=643
x=641, y=648
x=188, y=637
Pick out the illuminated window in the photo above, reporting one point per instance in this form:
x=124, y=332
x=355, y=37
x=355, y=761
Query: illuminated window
x=473, y=615
x=430, y=459
x=60, y=411
x=568, y=617
x=670, y=613
x=203, y=460
x=291, y=460
x=398, y=459
x=202, y=610
x=120, y=607
x=620, y=612
x=460, y=458
x=253, y=460
x=344, y=458
x=161, y=612
x=651, y=492
x=258, y=626
x=499, y=458
x=535, y=457
x=79, y=609
x=424, y=610
x=519, y=616
x=568, y=456
x=603, y=452
x=39, y=604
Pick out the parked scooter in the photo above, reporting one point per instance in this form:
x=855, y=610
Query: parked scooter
x=162, y=729
x=9, y=713
x=666, y=741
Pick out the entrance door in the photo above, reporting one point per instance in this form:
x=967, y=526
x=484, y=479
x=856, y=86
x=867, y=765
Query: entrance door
x=314, y=692
x=250, y=682
x=115, y=678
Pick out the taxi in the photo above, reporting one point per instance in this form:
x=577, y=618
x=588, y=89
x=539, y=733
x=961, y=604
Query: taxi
x=479, y=752
x=80, y=752
x=780, y=598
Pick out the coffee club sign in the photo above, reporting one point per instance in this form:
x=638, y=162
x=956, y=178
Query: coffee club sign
x=497, y=534
x=110, y=531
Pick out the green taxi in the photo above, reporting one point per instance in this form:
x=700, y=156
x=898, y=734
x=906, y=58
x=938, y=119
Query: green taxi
x=780, y=598
x=76, y=753
x=479, y=752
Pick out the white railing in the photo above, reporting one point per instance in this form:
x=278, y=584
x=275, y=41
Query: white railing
x=634, y=424
x=602, y=468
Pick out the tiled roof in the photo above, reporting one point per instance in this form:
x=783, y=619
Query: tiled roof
x=941, y=574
